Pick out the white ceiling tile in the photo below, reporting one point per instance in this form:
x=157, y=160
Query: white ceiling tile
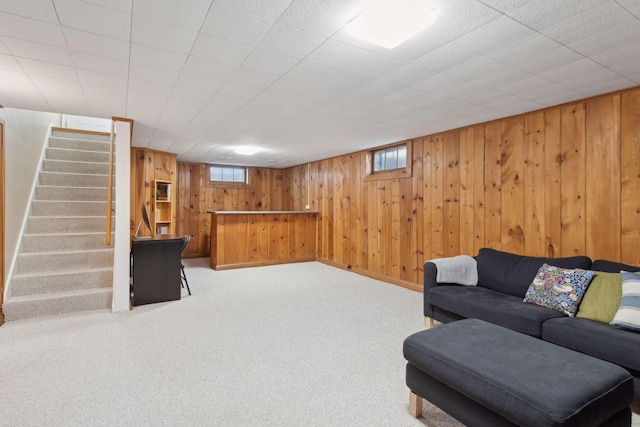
x=324, y=18
x=40, y=10
x=271, y=9
x=624, y=35
x=187, y=14
x=180, y=111
x=220, y=50
x=595, y=79
x=145, y=107
x=102, y=79
x=438, y=83
x=467, y=92
x=154, y=88
x=524, y=85
x=571, y=71
x=375, y=66
x=446, y=57
x=13, y=83
x=106, y=101
x=65, y=96
x=162, y=36
x=239, y=90
x=633, y=6
x=197, y=95
x=306, y=71
x=192, y=81
x=121, y=5
x=38, y=51
x=290, y=41
x=94, y=19
x=346, y=80
x=8, y=62
x=261, y=106
x=505, y=6
x=99, y=63
x=556, y=58
x=158, y=75
x=504, y=76
x=269, y=62
x=31, y=66
x=229, y=23
x=206, y=68
x=248, y=77
x=476, y=68
x=409, y=75
x=336, y=55
x=524, y=49
x=3, y=48
x=608, y=85
x=623, y=60
x=327, y=93
x=495, y=33
x=291, y=86
x=543, y=93
x=540, y=14
x=94, y=44
x=152, y=57
x=31, y=30
x=515, y=104
x=588, y=23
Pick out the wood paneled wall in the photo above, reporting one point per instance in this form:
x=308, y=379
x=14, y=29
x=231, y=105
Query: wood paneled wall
x=196, y=196
x=557, y=182
x=147, y=165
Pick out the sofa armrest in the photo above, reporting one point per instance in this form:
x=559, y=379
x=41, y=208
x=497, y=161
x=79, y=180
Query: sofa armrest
x=430, y=273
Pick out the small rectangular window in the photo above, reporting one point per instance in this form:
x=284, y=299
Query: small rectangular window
x=228, y=174
x=391, y=161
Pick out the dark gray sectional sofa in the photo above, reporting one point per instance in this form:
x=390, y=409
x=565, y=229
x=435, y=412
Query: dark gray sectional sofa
x=503, y=279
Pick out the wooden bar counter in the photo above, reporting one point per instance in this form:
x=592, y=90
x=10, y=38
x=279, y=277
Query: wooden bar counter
x=254, y=238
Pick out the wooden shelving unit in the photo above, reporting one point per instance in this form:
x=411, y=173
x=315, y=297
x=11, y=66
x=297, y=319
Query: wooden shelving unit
x=162, y=207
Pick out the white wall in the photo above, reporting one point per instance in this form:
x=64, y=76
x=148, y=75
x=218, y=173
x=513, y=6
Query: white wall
x=24, y=139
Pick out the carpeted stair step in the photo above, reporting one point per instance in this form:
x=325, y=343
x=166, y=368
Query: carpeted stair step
x=67, y=224
x=63, y=260
x=63, y=242
x=67, y=166
x=39, y=283
x=67, y=208
x=48, y=192
x=99, y=136
x=79, y=144
x=26, y=307
x=77, y=156
x=73, y=179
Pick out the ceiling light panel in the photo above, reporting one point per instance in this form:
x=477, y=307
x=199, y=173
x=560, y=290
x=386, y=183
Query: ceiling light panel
x=390, y=23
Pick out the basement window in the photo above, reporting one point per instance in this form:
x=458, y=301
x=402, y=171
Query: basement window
x=227, y=174
x=390, y=161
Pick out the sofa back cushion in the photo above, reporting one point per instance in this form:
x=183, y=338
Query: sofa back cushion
x=612, y=267
x=512, y=274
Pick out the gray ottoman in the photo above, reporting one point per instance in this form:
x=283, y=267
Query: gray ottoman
x=486, y=375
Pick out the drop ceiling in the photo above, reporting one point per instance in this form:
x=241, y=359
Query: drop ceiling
x=200, y=77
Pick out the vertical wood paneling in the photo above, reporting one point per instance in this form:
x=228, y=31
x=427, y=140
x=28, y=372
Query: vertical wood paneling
x=492, y=186
x=630, y=178
x=553, y=196
x=534, y=184
x=557, y=182
x=572, y=179
x=512, y=185
x=602, y=199
x=467, y=163
x=451, y=194
x=437, y=196
x=478, y=189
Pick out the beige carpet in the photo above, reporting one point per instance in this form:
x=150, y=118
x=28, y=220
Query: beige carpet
x=290, y=345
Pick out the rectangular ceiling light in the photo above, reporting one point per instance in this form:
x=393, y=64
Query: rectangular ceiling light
x=389, y=23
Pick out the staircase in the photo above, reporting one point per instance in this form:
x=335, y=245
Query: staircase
x=63, y=264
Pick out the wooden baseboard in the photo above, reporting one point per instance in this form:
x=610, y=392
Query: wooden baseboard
x=258, y=264
x=382, y=278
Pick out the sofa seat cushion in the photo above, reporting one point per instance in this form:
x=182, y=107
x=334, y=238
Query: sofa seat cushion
x=491, y=306
x=512, y=274
x=596, y=339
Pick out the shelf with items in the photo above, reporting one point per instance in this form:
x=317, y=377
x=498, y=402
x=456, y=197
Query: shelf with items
x=162, y=217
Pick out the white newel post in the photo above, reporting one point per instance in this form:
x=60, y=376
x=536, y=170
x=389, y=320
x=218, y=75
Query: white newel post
x=121, y=242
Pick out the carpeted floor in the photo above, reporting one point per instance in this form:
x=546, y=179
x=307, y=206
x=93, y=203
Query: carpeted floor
x=290, y=345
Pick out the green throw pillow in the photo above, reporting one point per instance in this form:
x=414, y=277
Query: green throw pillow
x=601, y=301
